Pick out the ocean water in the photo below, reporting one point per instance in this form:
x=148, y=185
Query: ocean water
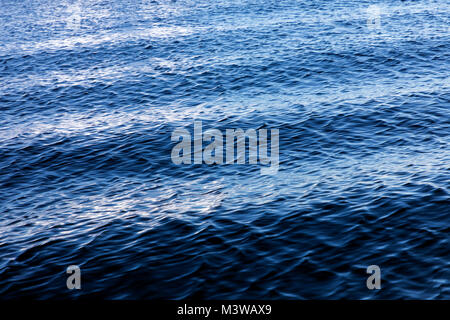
x=91, y=91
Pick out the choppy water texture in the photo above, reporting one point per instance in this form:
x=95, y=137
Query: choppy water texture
x=91, y=91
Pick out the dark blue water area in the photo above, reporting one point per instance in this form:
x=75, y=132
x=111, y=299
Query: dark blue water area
x=91, y=91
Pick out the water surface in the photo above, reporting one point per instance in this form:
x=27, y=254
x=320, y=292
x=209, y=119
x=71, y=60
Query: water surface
x=91, y=91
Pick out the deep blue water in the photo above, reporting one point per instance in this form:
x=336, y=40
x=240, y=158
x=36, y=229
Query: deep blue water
x=91, y=91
